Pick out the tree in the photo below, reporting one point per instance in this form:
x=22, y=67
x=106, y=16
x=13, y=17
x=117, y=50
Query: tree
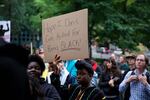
x=122, y=22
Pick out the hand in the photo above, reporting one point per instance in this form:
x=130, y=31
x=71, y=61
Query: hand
x=56, y=70
x=57, y=59
x=132, y=78
x=54, y=64
x=143, y=79
x=111, y=83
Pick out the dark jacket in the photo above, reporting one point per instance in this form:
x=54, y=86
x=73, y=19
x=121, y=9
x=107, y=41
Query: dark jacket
x=90, y=93
x=107, y=89
x=69, y=92
x=55, y=81
x=14, y=83
x=48, y=91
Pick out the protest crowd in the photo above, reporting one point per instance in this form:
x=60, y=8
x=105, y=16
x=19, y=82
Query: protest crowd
x=25, y=76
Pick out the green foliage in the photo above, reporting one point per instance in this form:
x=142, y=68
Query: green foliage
x=122, y=22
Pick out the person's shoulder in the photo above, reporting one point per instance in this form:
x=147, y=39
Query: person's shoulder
x=47, y=85
x=148, y=73
x=129, y=73
x=73, y=87
x=95, y=93
x=94, y=88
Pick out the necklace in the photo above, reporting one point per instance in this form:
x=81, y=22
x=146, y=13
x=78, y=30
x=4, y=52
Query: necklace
x=81, y=93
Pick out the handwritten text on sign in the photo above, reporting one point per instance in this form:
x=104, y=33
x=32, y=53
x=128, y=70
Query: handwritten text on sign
x=66, y=35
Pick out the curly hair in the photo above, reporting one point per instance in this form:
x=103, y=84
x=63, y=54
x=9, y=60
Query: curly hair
x=38, y=59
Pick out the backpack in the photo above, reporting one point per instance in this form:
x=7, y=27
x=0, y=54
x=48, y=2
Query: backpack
x=127, y=92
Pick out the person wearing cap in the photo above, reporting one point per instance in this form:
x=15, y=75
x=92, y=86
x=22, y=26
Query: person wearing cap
x=83, y=91
x=131, y=63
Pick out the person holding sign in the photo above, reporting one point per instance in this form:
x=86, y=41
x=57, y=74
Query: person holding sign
x=2, y=32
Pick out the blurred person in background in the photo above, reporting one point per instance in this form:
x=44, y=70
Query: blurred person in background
x=110, y=80
x=131, y=59
x=123, y=64
x=97, y=71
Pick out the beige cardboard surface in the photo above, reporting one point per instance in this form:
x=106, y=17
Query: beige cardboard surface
x=66, y=35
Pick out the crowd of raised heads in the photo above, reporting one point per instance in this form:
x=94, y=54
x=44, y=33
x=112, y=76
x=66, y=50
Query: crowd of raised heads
x=25, y=76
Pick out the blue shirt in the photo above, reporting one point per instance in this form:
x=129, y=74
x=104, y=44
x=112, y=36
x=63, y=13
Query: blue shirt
x=70, y=65
x=138, y=90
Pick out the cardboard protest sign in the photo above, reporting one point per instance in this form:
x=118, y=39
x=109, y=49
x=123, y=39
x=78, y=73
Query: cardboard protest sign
x=66, y=35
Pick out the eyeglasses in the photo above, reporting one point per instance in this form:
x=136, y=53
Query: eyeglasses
x=140, y=60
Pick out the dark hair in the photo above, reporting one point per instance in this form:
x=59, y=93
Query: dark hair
x=13, y=78
x=38, y=59
x=82, y=64
x=115, y=70
x=15, y=52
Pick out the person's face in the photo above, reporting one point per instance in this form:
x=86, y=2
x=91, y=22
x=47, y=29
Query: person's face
x=34, y=70
x=131, y=61
x=121, y=59
x=83, y=77
x=140, y=62
x=109, y=65
x=113, y=56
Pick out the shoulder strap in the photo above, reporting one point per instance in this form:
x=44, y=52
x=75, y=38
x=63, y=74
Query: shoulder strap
x=127, y=92
x=148, y=76
x=91, y=92
x=133, y=73
x=74, y=92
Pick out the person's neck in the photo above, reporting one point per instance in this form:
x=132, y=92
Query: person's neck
x=132, y=67
x=140, y=70
x=83, y=87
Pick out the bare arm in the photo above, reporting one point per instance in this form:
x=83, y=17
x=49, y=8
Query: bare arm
x=7, y=28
